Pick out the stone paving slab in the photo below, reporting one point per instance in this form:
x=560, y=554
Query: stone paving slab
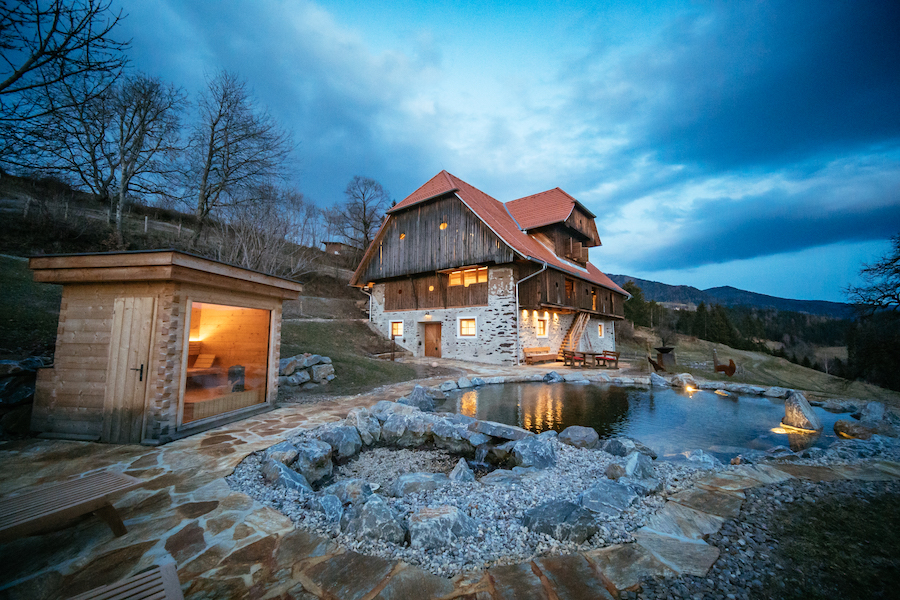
x=624, y=565
x=413, y=582
x=764, y=474
x=727, y=482
x=516, y=582
x=682, y=521
x=348, y=576
x=890, y=467
x=862, y=473
x=684, y=556
x=572, y=578
x=722, y=504
x=810, y=472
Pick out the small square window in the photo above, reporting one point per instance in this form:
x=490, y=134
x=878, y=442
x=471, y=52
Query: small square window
x=396, y=329
x=542, y=328
x=600, y=330
x=467, y=327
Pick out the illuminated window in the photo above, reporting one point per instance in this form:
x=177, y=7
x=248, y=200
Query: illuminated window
x=468, y=327
x=402, y=236
x=467, y=277
x=600, y=330
x=443, y=226
x=396, y=329
x=542, y=328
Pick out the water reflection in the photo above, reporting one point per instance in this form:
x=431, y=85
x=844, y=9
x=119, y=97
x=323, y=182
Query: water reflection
x=668, y=420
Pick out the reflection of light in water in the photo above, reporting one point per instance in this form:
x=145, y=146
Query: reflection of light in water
x=543, y=412
x=468, y=404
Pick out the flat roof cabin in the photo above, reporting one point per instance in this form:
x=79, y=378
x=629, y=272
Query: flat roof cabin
x=157, y=345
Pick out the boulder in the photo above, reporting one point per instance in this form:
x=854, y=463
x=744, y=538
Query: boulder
x=575, y=377
x=435, y=528
x=776, y=392
x=322, y=373
x=580, y=437
x=299, y=377
x=412, y=483
x=383, y=409
x=420, y=398
x=863, y=430
x=642, y=487
x=623, y=446
x=497, y=455
x=872, y=412
x=287, y=366
x=344, y=441
x=449, y=436
x=313, y=460
x=308, y=360
x=350, y=491
x=703, y=459
x=502, y=477
x=553, y=377
x=477, y=381
x=368, y=427
x=534, y=451
x=417, y=431
x=608, y=498
x=394, y=427
x=375, y=520
x=639, y=466
x=448, y=386
x=281, y=475
x=658, y=381
x=332, y=506
x=799, y=414
x=684, y=380
x=499, y=430
x=494, y=380
x=284, y=452
x=463, y=383
x=562, y=520
x=461, y=472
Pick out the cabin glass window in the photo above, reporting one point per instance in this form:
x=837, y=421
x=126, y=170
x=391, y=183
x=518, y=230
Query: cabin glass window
x=227, y=360
x=468, y=327
x=600, y=330
x=467, y=277
x=542, y=328
x=594, y=299
x=396, y=329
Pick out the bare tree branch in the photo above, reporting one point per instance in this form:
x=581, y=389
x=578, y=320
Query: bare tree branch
x=882, y=289
x=359, y=216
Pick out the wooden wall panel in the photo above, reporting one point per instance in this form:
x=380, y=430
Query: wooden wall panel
x=425, y=247
x=413, y=293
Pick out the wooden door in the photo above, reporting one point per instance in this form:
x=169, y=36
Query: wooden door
x=128, y=371
x=433, y=340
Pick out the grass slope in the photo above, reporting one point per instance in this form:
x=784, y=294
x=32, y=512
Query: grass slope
x=695, y=357
x=29, y=311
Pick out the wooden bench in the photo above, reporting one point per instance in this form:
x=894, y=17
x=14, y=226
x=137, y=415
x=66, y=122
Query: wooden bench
x=539, y=354
x=608, y=357
x=570, y=358
x=155, y=583
x=48, y=506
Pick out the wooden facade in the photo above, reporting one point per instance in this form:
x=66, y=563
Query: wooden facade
x=560, y=291
x=432, y=291
x=432, y=236
x=122, y=348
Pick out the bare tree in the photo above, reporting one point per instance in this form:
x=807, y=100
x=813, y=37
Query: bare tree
x=119, y=142
x=234, y=147
x=882, y=289
x=45, y=44
x=257, y=233
x=359, y=216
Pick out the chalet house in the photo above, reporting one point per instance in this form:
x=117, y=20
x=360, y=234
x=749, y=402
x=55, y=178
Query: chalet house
x=455, y=273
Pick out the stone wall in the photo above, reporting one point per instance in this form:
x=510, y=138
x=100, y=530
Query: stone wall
x=495, y=339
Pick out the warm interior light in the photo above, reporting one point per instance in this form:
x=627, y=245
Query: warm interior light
x=402, y=235
x=430, y=288
x=194, y=338
x=443, y=226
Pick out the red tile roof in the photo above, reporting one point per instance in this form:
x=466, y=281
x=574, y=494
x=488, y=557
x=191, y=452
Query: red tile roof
x=495, y=215
x=544, y=208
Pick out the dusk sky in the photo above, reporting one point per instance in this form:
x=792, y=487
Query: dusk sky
x=751, y=144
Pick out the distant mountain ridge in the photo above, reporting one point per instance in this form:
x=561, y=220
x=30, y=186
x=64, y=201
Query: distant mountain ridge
x=729, y=296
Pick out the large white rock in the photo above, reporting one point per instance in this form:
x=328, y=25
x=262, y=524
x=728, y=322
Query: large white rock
x=799, y=414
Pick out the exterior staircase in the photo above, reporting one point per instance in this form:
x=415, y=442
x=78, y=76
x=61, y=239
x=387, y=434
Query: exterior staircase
x=573, y=336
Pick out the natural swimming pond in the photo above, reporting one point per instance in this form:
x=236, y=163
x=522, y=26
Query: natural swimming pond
x=668, y=420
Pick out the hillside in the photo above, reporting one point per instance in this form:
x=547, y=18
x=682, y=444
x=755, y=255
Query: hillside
x=730, y=296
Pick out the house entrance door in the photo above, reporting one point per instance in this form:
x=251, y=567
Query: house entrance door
x=433, y=340
x=128, y=370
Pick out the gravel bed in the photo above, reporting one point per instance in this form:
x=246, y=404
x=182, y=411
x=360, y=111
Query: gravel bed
x=497, y=509
x=750, y=564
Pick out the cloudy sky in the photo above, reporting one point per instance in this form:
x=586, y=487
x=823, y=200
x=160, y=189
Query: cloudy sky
x=752, y=144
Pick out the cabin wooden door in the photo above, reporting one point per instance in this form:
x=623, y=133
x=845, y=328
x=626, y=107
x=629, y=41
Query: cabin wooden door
x=433, y=339
x=128, y=371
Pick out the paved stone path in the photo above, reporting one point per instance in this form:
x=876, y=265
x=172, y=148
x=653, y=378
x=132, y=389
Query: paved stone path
x=227, y=545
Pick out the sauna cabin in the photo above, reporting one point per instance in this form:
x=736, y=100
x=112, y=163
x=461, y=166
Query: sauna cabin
x=153, y=346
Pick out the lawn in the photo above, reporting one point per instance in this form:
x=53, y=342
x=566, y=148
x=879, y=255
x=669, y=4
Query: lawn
x=348, y=344
x=29, y=311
